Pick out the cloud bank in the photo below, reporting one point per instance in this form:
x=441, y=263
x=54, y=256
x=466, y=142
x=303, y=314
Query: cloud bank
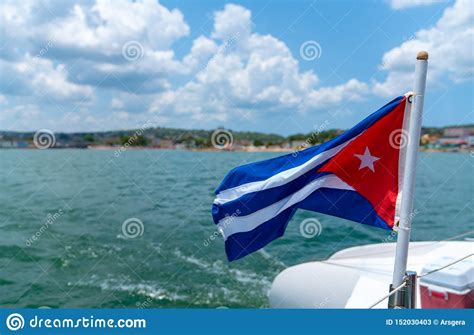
x=112, y=64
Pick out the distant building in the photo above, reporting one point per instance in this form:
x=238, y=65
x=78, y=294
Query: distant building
x=299, y=144
x=458, y=131
x=456, y=137
x=470, y=141
x=6, y=144
x=427, y=138
x=452, y=141
x=244, y=143
x=286, y=145
x=274, y=147
x=21, y=144
x=165, y=144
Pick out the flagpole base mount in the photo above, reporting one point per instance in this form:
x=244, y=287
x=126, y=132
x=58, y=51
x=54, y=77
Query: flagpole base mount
x=406, y=296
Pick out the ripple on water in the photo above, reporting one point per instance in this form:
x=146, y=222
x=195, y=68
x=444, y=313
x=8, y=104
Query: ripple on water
x=171, y=192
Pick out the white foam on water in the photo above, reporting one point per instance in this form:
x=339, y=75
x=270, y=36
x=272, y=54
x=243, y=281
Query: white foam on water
x=144, y=288
x=191, y=259
x=219, y=268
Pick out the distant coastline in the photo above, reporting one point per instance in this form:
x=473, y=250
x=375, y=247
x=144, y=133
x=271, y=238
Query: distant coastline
x=444, y=139
x=467, y=150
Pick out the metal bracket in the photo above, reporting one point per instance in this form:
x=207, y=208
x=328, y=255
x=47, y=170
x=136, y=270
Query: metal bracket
x=405, y=297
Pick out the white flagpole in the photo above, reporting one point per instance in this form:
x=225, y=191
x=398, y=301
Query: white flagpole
x=406, y=209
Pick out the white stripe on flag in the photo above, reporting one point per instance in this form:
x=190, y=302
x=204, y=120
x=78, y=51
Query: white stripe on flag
x=280, y=178
x=239, y=224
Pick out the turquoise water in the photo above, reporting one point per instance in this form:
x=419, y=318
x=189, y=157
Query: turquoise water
x=62, y=212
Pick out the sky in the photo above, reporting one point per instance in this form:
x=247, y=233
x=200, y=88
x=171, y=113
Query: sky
x=272, y=66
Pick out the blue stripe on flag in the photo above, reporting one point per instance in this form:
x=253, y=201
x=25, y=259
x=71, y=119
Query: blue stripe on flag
x=328, y=201
x=254, y=201
x=241, y=244
x=341, y=203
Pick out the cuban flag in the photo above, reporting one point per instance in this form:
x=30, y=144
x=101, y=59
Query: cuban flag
x=356, y=176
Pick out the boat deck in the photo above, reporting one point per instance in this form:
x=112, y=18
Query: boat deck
x=356, y=277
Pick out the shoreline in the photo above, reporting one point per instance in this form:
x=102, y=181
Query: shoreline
x=254, y=149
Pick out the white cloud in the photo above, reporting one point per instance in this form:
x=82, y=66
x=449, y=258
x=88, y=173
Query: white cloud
x=353, y=90
x=103, y=28
x=202, y=50
x=14, y=17
x=42, y=79
x=132, y=103
x=451, y=56
x=232, y=73
x=20, y=117
x=88, y=43
x=237, y=71
x=233, y=20
x=402, y=4
x=121, y=44
x=117, y=103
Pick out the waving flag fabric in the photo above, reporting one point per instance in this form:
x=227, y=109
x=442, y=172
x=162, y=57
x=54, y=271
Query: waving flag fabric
x=356, y=176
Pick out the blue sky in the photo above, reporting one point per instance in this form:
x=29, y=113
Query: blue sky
x=102, y=65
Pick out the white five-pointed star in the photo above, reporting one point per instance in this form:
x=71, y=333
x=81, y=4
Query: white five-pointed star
x=367, y=160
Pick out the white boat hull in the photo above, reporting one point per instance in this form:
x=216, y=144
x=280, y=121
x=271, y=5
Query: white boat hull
x=355, y=277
